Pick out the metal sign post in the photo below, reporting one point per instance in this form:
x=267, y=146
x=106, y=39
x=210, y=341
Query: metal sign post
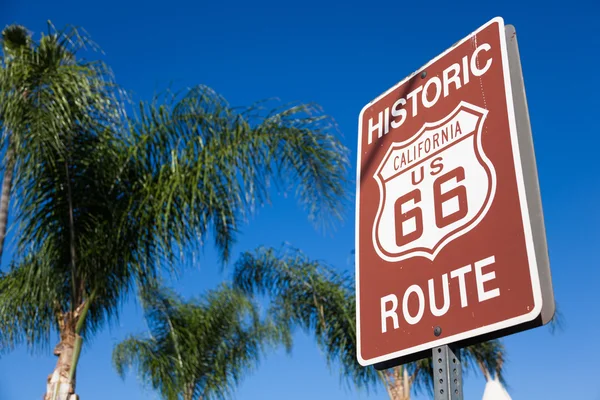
x=447, y=373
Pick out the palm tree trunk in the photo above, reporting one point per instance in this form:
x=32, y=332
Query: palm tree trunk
x=406, y=383
x=5, y=197
x=60, y=385
x=189, y=392
x=398, y=384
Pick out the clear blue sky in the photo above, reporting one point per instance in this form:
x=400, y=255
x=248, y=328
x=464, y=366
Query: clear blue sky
x=341, y=55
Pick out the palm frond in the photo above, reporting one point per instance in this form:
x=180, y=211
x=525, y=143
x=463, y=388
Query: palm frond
x=486, y=357
x=198, y=151
x=313, y=296
x=141, y=353
x=30, y=299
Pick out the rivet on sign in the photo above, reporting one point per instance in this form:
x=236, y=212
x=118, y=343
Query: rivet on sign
x=423, y=74
x=437, y=331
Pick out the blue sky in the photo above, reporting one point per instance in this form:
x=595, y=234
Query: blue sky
x=342, y=55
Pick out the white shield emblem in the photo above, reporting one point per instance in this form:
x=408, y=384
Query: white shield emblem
x=434, y=187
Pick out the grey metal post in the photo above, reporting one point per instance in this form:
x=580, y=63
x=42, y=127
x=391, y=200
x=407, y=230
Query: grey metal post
x=447, y=374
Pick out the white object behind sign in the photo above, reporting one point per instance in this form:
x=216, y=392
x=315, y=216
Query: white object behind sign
x=495, y=391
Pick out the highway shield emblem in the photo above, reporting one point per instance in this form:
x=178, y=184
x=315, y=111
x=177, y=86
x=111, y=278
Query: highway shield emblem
x=434, y=187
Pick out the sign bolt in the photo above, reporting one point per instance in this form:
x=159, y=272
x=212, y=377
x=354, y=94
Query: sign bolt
x=423, y=74
x=437, y=331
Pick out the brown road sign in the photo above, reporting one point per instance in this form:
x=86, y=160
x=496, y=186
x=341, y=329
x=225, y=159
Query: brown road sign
x=450, y=236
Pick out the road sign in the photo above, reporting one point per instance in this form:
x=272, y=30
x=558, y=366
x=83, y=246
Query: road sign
x=450, y=238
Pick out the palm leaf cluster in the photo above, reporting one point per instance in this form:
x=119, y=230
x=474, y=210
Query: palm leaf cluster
x=310, y=295
x=48, y=94
x=198, y=349
x=199, y=151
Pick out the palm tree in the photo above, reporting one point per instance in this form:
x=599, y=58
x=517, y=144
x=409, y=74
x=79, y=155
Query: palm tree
x=315, y=297
x=15, y=41
x=198, y=349
x=115, y=203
